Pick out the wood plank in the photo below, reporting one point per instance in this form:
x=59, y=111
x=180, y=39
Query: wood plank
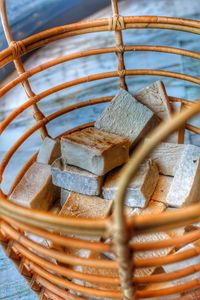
x=126, y=116
x=94, y=150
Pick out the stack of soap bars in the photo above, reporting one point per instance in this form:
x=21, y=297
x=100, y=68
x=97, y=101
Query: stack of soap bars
x=82, y=171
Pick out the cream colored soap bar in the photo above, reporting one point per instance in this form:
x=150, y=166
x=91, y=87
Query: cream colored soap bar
x=126, y=116
x=162, y=188
x=49, y=151
x=168, y=156
x=101, y=272
x=154, y=207
x=82, y=206
x=185, y=188
x=94, y=150
x=35, y=190
x=184, y=264
x=151, y=237
x=78, y=205
x=155, y=98
x=139, y=190
x=75, y=179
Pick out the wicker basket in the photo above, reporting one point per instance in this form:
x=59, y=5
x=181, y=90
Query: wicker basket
x=59, y=281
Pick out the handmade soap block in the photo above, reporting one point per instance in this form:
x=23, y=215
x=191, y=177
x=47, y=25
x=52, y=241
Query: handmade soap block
x=49, y=151
x=75, y=179
x=185, y=188
x=94, y=150
x=168, y=156
x=153, y=207
x=162, y=188
x=139, y=190
x=126, y=116
x=150, y=237
x=101, y=272
x=35, y=190
x=155, y=98
x=82, y=206
x=185, y=264
x=78, y=205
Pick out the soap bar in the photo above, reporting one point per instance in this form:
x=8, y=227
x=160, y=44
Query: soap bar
x=126, y=116
x=49, y=151
x=78, y=205
x=101, y=272
x=75, y=179
x=185, y=188
x=82, y=206
x=153, y=207
x=140, y=188
x=162, y=188
x=184, y=264
x=150, y=237
x=168, y=156
x=35, y=189
x=155, y=98
x=94, y=150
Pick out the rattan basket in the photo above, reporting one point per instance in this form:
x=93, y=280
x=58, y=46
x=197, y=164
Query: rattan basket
x=56, y=281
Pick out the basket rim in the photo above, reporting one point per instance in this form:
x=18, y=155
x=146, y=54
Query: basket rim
x=44, y=37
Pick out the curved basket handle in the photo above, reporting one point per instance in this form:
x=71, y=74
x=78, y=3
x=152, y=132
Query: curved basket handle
x=121, y=232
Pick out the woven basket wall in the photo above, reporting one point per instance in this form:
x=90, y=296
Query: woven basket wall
x=52, y=280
